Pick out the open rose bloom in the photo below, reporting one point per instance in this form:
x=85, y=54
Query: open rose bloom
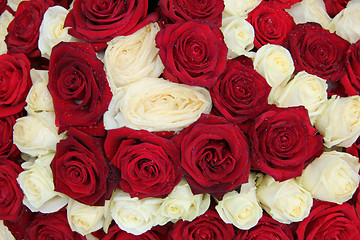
x=179, y=119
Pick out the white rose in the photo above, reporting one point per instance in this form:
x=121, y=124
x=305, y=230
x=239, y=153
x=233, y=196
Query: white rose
x=134, y=57
x=241, y=209
x=181, y=203
x=332, y=177
x=52, y=30
x=285, y=201
x=239, y=8
x=310, y=11
x=5, y=19
x=339, y=123
x=85, y=219
x=5, y=234
x=36, y=134
x=38, y=186
x=156, y=104
x=133, y=215
x=274, y=63
x=303, y=90
x=39, y=98
x=239, y=36
x=346, y=23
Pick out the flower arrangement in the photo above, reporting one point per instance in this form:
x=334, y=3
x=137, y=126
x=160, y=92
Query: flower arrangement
x=175, y=119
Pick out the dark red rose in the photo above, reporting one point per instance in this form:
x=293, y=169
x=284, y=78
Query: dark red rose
x=149, y=164
x=11, y=194
x=81, y=171
x=354, y=149
x=185, y=10
x=240, y=93
x=192, y=52
x=330, y=221
x=351, y=80
x=100, y=21
x=214, y=155
x=266, y=229
x=333, y=7
x=23, y=30
x=51, y=226
x=271, y=24
x=23, y=220
x=115, y=233
x=78, y=85
x=284, y=142
x=317, y=51
x=8, y=149
x=208, y=226
x=285, y=4
x=15, y=83
x=3, y=4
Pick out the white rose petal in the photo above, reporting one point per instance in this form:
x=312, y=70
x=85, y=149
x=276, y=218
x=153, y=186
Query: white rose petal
x=339, y=123
x=36, y=134
x=303, y=90
x=241, y=209
x=5, y=234
x=38, y=186
x=14, y=4
x=285, y=201
x=310, y=11
x=52, y=30
x=133, y=215
x=346, y=23
x=332, y=177
x=85, y=219
x=239, y=36
x=156, y=105
x=181, y=203
x=134, y=57
x=239, y=8
x=5, y=19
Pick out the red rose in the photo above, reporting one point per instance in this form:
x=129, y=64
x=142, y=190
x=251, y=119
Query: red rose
x=81, y=171
x=266, y=228
x=8, y=149
x=330, y=221
x=149, y=164
x=351, y=80
x=11, y=194
x=271, y=24
x=333, y=7
x=214, y=155
x=283, y=142
x=240, y=93
x=15, y=83
x=285, y=4
x=317, y=51
x=100, y=21
x=115, y=233
x=23, y=220
x=354, y=149
x=207, y=226
x=193, y=52
x=23, y=30
x=51, y=226
x=78, y=85
x=185, y=10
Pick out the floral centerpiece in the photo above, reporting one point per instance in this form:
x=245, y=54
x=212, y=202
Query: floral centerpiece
x=174, y=119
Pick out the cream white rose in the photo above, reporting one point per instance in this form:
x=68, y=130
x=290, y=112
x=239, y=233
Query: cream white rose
x=285, y=201
x=346, y=23
x=133, y=215
x=85, y=219
x=241, y=209
x=310, y=11
x=239, y=36
x=239, y=8
x=181, y=203
x=156, y=104
x=339, y=123
x=36, y=134
x=52, y=30
x=5, y=19
x=5, y=234
x=332, y=177
x=134, y=57
x=275, y=64
x=39, y=98
x=303, y=90
x=38, y=186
